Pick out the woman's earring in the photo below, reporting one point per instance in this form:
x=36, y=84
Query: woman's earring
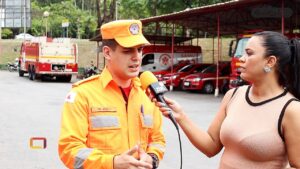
x=267, y=69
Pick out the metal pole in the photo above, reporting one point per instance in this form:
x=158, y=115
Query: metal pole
x=172, y=55
x=1, y=7
x=1, y=19
x=116, y=9
x=282, y=16
x=98, y=51
x=46, y=26
x=24, y=18
x=217, y=82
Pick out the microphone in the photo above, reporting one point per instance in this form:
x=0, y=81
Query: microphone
x=157, y=89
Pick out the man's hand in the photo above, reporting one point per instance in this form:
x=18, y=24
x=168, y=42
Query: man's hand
x=127, y=161
x=144, y=157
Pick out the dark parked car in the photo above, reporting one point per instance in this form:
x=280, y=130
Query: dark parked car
x=176, y=78
x=206, y=80
x=176, y=67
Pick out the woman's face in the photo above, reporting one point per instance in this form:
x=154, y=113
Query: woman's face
x=253, y=61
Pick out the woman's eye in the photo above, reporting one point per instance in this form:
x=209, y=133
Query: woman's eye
x=248, y=53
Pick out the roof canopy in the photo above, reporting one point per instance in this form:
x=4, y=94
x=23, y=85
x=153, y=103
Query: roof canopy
x=155, y=39
x=234, y=17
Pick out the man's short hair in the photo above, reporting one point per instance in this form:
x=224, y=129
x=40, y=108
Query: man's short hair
x=110, y=43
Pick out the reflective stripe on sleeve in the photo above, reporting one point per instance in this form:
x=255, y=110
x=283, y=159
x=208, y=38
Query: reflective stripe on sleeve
x=81, y=156
x=104, y=121
x=158, y=146
x=148, y=120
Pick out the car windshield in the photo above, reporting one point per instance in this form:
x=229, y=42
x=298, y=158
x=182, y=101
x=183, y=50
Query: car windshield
x=210, y=69
x=186, y=68
x=176, y=67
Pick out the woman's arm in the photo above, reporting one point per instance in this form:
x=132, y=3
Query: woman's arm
x=291, y=131
x=208, y=142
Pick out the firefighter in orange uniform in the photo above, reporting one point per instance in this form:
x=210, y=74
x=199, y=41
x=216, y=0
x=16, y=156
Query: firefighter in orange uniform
x=108, y=122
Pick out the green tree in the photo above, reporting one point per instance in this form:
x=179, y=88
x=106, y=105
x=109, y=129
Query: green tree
x=85, y=16
x=79, y=21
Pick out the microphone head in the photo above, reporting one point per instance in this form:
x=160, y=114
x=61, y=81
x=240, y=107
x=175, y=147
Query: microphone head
x=147, y=78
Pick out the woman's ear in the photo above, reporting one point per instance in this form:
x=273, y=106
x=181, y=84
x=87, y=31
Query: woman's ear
x=271, y=61
x=106, y=52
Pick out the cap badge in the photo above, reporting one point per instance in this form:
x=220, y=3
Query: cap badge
x=134, y=29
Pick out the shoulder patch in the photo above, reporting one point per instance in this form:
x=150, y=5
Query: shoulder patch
x=70, y=98
x=92, y=78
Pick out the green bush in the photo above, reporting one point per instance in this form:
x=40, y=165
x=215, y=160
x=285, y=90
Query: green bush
x=3, y=67
x=7, y=34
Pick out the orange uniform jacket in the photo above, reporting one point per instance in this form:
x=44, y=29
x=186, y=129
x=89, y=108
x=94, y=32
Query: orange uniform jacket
x=98, y=124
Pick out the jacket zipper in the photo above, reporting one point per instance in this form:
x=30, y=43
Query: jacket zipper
x=126, y=105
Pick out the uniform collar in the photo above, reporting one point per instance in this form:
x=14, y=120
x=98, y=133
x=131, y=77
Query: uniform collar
x=107, y=78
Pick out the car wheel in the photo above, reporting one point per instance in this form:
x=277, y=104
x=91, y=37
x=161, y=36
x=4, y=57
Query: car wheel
x=208, y=88
x=68, y=78
x=21, y=73
x=181, y=85
x=225, y=87
x=33, y=74
x=29, y=73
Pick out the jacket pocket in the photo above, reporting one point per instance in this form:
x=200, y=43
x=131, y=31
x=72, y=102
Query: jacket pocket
x=104, y=122
x=105, y=131
x=147, y=120
x=146, y=129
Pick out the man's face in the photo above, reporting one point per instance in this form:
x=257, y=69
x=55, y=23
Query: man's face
x=125, y=63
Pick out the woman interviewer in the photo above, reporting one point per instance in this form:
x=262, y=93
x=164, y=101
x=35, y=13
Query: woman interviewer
x=259, y=124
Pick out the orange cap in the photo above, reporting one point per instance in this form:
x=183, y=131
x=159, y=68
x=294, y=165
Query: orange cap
x=128, y=33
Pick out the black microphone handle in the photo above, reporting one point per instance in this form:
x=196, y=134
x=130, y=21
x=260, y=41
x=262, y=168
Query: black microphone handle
x=160, y=98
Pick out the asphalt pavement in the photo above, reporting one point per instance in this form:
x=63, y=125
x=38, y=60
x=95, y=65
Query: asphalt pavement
x=30, y=124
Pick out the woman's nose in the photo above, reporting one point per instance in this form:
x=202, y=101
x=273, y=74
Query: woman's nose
x=242, y=58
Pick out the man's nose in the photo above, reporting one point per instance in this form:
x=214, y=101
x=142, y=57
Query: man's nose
x=136, y=55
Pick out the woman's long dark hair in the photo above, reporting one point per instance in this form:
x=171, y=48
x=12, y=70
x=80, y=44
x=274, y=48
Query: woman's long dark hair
x=288, y=56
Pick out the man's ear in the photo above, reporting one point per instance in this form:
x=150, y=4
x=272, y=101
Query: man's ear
x=106, y=52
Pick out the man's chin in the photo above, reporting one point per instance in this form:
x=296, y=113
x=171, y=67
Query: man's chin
x=133, y=74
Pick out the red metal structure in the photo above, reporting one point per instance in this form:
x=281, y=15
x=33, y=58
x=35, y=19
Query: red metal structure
x=230, y=18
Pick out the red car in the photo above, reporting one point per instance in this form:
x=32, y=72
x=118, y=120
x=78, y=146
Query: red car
x=176, y=67
x=176, y=78
x=206, y=80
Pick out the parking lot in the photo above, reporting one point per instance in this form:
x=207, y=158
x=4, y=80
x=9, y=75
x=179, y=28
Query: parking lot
x=32, y=109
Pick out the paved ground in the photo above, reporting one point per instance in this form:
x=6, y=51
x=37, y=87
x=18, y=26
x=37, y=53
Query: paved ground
x=32, y=109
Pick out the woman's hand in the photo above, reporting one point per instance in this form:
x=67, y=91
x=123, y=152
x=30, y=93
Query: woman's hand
x=172, y=106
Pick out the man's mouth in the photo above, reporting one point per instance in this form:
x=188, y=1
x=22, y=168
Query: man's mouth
x=135, y=66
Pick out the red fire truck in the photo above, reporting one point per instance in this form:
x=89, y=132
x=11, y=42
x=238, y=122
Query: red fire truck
x=44, y=57
x=235, y=79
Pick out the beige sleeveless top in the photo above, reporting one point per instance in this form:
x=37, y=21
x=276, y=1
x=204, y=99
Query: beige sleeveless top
x=250, y=134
